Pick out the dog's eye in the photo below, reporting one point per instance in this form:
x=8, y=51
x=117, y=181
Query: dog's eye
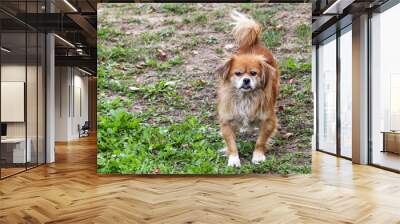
x=238, y=73
x=253, y=73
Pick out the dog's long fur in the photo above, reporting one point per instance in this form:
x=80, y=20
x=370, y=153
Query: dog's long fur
x=243, y=108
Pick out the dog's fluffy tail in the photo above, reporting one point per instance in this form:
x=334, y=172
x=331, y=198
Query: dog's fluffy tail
x=246, y=31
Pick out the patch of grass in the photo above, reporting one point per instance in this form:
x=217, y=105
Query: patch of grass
x=136, y=9
x=296, y=87
x=186, y=20
x=219, y=51
x=106, y=72
x=211, y=40
x=303, y=32
x=117, y=53
x=219, y=13
x=198, y=84
x=149, y=37
x=200, y=18
x=178, y=9
x=247, y=6
x=117, y=103
x=160, y=89
x=169, y=22
x=128, y=145
x=272, y=38
x=193, y=42
x=177, y=60
x=108, y=33
x=167, y=32
x=291, y=66
x=265, y=17
x=135, y=21
x=219, y=26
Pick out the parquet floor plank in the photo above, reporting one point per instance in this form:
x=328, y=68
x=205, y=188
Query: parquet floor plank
x=70, y=191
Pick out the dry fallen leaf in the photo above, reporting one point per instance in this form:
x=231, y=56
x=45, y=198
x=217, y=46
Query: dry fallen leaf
x=287, y=135
x=161, y=55
x=140, y=65
x=200, y=82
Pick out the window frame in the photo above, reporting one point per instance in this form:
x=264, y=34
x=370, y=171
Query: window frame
x=346, y=23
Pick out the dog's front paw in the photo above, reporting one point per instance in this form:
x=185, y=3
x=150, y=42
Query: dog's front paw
x=257, y=157
x=234, y=161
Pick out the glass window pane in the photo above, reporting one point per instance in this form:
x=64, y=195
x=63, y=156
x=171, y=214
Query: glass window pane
x=31, y=97
x=13, y=86
x=327, y=96
x=346, y=94
x=385, y=84
x=41, y=98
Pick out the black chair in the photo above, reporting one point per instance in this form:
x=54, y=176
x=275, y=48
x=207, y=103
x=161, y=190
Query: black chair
x=84, y=130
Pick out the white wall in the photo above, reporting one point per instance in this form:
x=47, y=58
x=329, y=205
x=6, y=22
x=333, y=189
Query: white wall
x=70, y=83
x=62, y=81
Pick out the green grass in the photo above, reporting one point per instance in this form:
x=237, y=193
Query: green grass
x=178, y=9
x=272, y=38
x=163, y=66
x=193, y=42
x=219, y=26
x=135, y=21
x=219, y=51
x=200, y=18
x=149, y=37
x=117, y=53
x=303, y=32
x=128, y=145
x=296, y=87
x=107, y=33
x=247, y=6
x=265, y=17
x=167, y=32
x=211, y=40
x=169, y=22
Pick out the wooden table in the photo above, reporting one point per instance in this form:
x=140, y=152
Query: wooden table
x=391, y=141
x=13, y=150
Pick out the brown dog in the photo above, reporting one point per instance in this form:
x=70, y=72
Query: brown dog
x=249, y=86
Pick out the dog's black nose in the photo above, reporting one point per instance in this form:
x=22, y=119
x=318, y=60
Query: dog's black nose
x=246, y=81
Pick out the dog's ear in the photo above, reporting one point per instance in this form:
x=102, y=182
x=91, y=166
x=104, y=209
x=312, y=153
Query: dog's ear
x=223, y=70
x=267, y=73
x=269, y=76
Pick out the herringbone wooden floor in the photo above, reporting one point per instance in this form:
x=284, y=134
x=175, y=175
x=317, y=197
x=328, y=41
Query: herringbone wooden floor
x=70, y=191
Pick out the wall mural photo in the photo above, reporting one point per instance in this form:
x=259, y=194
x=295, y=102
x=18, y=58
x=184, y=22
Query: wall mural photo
x=204, y=88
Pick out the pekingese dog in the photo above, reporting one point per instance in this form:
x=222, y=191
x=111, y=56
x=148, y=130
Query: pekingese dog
x=248, y=88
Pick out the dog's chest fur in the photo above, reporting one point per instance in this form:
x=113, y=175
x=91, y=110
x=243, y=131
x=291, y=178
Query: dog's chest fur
x=247, y=111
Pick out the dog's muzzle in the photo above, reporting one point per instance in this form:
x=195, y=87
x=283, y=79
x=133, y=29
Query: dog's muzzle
x=246, y=85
